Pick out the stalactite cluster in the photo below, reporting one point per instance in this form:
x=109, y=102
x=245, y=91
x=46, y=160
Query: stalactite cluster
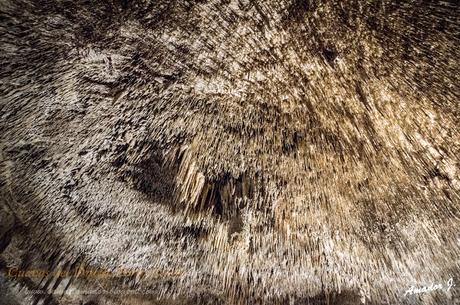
x=229, y=151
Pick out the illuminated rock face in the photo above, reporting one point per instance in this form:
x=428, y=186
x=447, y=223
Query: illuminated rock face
x=239, y=152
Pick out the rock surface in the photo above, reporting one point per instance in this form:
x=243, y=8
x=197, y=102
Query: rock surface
x=230, y=151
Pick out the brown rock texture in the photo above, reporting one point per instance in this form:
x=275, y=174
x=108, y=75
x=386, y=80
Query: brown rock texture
x=230, y=151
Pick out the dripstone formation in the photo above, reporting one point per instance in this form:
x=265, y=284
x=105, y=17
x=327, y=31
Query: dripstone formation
x=229, y=152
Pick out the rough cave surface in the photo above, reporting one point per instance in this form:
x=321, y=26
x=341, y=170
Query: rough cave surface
x=229, y=151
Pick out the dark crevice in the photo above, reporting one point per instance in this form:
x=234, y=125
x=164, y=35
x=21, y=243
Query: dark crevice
x=329, y=54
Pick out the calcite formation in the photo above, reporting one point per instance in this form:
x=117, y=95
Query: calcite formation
x=229, y=152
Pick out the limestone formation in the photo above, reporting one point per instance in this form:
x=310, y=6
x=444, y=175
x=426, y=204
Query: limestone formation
x=229, y=152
